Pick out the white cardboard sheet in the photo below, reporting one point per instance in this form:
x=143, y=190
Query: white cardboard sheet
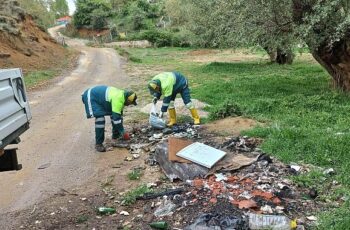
x=202, y=154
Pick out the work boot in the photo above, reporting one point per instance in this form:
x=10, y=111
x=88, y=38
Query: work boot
x=100, y=148
x=195, y=116
x=172, y=117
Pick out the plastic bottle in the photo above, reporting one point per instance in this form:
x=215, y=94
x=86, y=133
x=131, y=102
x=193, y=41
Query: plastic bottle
x=106, y=210
x=159, y=225
x=274, y=222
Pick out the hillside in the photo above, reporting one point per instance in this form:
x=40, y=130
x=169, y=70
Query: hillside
x=22, y=43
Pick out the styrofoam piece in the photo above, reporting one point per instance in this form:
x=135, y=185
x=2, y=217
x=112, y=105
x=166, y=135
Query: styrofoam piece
x=202, y=154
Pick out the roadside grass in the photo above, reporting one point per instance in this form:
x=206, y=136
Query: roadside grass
x=34, y=78
x=307, y=121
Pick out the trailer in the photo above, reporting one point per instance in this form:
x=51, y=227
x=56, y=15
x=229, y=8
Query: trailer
x=15, y=116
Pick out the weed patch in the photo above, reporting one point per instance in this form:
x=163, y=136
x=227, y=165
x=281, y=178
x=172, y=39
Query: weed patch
x=226, y=109
x=135, y=174
x=34, y=78
x=130, y=197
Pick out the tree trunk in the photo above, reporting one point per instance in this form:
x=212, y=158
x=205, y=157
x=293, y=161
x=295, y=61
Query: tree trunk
x=284, y=56
x=334, y=57
x=336, y=60
x=280, y=56
x=271, y=52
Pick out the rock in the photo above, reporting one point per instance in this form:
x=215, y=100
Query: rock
x=311, y=218
x=313, y=193
x=124, y=213
x=136, y=156
x=129, y=158
x=329, y=171
x=5, y=55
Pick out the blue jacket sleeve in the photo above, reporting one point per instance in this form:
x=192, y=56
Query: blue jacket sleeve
x=117, y=122
x=165, y=105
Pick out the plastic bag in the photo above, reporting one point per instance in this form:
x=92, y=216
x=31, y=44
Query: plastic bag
x=154, y=120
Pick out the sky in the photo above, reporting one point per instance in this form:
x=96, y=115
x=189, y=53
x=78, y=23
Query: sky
x=71, y=6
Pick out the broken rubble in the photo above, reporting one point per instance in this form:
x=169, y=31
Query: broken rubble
x=165, y=208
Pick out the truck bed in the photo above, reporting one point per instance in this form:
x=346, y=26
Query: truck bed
x=14, y=107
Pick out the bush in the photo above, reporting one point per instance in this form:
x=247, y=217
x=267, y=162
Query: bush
x=227, y=109
x=157, y=37
x=182, y=38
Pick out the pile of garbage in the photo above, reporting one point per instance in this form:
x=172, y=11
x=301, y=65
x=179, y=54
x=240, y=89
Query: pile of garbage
x=245, y=190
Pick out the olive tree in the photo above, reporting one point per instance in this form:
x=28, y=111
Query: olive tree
x=325, y=27
x=242, y=23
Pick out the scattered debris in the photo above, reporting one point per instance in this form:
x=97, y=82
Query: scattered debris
x=168, y=192
x=44, y=166
x=329, y=171
x=311, y=218
x=258, y=221
x=106, y=210
x=124, y=213
x=217, y=221
x=154, y=120
x=295, y=168
x=159, y=225
x=165, y=209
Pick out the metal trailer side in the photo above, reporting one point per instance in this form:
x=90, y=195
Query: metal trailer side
x=14, y=112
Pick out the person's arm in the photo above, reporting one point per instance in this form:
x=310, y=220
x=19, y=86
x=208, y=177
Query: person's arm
x=117, y=116
x=167, y=91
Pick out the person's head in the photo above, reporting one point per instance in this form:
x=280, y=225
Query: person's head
x=154, y=86
x=130, y=98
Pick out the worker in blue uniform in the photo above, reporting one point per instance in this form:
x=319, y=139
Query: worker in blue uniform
x=101, y=101
x=169, y=84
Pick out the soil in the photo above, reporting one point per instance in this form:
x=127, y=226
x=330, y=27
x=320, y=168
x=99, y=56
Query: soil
x=231, y=125
x=32, y=49
x=62, y=137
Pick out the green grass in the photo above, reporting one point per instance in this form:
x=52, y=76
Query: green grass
x=34, y=78
x=306, y=120
x=82, y=219
x=130, y=197
x=135, y=174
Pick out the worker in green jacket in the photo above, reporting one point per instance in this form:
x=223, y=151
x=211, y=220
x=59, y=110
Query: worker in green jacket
x=169, y=84
x=101, y=101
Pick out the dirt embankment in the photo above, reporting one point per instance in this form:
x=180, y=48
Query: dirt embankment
x=22, y=43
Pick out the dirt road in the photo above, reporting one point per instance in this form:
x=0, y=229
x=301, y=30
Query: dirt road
x=60, y=136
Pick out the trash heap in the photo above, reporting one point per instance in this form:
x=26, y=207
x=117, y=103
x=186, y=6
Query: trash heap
x=247, y=189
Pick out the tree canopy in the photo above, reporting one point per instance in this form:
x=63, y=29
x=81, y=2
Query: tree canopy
x=92, y=14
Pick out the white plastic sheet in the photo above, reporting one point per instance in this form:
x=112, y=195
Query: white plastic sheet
x=201, y=154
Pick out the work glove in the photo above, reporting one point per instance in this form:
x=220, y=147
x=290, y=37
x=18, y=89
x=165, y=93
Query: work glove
x=161, y=114
x=155, y=99
x=126, y=137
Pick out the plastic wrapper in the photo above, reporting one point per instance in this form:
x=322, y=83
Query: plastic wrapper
x=154, y=120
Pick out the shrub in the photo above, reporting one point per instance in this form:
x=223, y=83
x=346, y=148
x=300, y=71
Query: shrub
x=157, y=37
x=182, y=38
